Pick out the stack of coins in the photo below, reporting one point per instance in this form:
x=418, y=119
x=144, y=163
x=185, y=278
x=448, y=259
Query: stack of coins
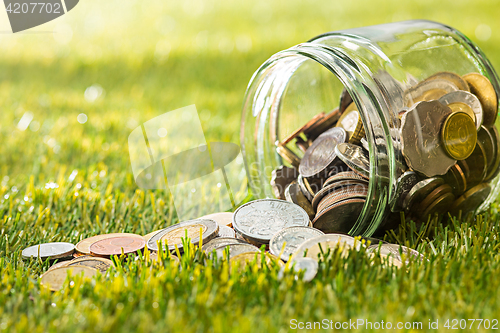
x=446, y=145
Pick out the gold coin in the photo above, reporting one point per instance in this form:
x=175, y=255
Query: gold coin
x=481, y=87
x=441, y=205
x=175, y=236
x=54, y=278
x=459, y=135
x=59, y=264
x=457, y=180
x=84, y=245
x=462, y=107
x=222, y=219
x=101, y=264
x=495, y=165
x=471, y=200
x=247, y=257
x=288, y=155
x=351, y=122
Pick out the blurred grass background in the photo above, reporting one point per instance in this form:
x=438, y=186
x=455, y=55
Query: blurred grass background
x=72, y=90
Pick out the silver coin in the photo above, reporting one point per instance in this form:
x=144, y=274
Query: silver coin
x=235, y=249
x=294, y=194
x=210, y=232
x=308, y=265
x=320, y=156
x=226, y=232
x=420, y=138
x=355, y=157
x=403, y=185
x=259, y=220
x=439, y=86
x=467, y=98
x=393, y=249
x=293, y=237
x=57, y=250
x=220, y=241
x=320, y=244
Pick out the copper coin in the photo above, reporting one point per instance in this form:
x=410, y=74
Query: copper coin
x=304, y=128
x=456, y=179
x=302, y=144
x=339, y=217
x=345, y=175
x=470, y=201
x=345, y=185
x=420, y=191
x=441, y=205
x=322, y=125
x=320, y=156
x=478, y=166
x=434, y=195
x=485, y=137
x=84, y=245
x=117, y=245
x=495, y=166
x=343, y=194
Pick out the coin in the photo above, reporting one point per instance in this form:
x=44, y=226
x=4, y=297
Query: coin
x=148, y=236
x=494, y=167
x=433, y=196
x=235, y=249
x=441, y=205
x=101, y=264
x=310, y=123
x=314, y=247
x=243, y=259
x=428, y=91
x=322, y=125
x=355, y=157
x=478, y=166
x=421, y=146
x=351, y=122
x=174, y=234
x=308, y=265
x=302, y=144
x=459, y=135
x=403, y=186
x=452, y=77
x=421, y=190
x=456, y=178
x=456, y=101
x=57, y=250
x=226, y=232
x=386, y=257
x=345, y=175
x=84, y=245
x=345, y=100
x=60, y=264
x=259, y=220
x=54, y=278
x=288, y=155
x=294, y=194
x=116, y=246
x=402, y=253
x=356, y=190
x=320, y=156
x=471, y=200
x=222, y=219
x=339, y=217
x=305, y=187
x=485, y=138
x=288, y=239
x=220, y=241
x=481, y=87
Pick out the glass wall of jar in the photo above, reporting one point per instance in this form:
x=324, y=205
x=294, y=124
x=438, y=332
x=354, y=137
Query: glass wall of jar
x=358, y=125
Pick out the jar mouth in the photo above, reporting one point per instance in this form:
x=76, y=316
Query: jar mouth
x=343, y=73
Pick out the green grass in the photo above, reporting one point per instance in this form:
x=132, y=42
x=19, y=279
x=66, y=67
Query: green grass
x=209, y=64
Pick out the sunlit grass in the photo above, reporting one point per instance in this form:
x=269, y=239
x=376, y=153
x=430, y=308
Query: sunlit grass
x=61, y=180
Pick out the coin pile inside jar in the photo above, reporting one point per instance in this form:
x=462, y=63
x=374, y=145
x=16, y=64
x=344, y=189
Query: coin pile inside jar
x=446, y=145
x=272, y=230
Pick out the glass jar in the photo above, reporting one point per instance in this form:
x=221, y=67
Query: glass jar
x=382, y=70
